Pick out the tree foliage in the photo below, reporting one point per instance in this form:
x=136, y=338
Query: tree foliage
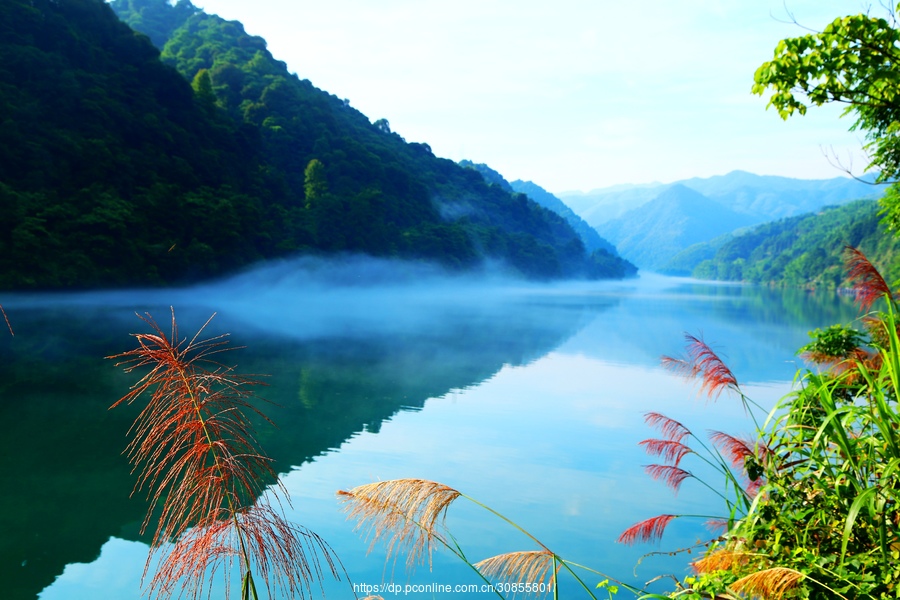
x=852, y=61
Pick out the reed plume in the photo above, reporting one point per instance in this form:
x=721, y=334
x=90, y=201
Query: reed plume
x=722, y=560
x=408, y=513
x=530, y=567
x=868, y=284
x=702, y=361
x=740, y=453
x=671, y=475
x=647, y=530
x=5, y=318
x=669, y=450
x=769, y=584
x=196, y=455
x=670, y=428
x=717, y=525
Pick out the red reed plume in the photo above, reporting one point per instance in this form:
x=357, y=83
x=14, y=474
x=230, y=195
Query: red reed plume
x=717, y=526
x=670, y=450
x=704, y=362
x=646, y=531
x=680, y=366
x=673, y=476
x=205, y=474
x=736, y=449
x=868, y=284
x=670, y=428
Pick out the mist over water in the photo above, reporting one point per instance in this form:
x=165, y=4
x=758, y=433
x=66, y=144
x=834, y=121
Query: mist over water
x=309, y=297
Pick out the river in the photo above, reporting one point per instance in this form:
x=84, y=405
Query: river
x=527, y=397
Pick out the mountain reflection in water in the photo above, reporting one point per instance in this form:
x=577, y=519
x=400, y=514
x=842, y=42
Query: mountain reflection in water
x=344, y=355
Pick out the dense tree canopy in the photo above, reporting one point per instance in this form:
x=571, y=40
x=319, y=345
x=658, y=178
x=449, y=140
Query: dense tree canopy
x=852, y=61
x=117, y=169
x=384, y=195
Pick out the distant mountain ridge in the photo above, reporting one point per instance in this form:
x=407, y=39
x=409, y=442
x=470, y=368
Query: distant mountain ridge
x=652, y=224
x=592, y=240
x=652, y=234
x=763, y=197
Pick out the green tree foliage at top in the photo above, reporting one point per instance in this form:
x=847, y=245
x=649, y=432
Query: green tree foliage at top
x=315, y=185
x=156, y=24
x=852, y=61
x=202, y=85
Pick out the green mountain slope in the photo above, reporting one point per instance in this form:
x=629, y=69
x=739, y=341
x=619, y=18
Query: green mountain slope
x=684, y=262
x=378, y=194
x=589, y=235
x=801, y=251
x=603, y=255
x=106, y=160
x=679, y=217
x=117, y=170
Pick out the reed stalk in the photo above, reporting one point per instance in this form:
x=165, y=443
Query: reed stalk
x=5, y=318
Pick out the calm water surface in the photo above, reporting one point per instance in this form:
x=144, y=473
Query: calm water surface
x=529, y=398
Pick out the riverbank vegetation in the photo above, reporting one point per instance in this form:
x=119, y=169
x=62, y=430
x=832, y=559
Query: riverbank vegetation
x=802, y=251
x=809, y=499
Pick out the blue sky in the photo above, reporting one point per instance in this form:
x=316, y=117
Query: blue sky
x=570, y=94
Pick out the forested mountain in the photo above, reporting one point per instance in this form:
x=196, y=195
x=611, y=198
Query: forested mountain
x=589, y=236
x=116, y=169
x=491, y=176
x=377, y=193
x=679, y=217
x=762, y=197
x=799, y=251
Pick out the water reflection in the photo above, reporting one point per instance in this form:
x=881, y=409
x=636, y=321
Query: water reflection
x=540, y=394
x=64, y=447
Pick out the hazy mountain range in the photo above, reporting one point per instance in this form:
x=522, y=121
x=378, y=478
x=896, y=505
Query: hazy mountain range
x=763, y=197
x=650, y=224
x=589, y=236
